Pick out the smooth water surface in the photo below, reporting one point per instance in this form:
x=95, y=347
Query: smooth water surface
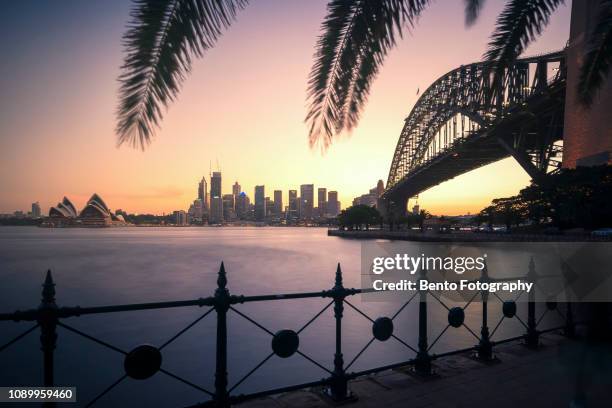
x=93, y=267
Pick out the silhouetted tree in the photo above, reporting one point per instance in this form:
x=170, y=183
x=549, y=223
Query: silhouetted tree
x=423, y=215
x=357, y=216
x=569, y=199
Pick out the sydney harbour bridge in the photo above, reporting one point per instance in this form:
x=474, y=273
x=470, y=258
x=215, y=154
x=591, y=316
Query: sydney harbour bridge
x=463, y=121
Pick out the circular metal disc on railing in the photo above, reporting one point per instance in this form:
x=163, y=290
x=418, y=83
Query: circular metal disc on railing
x=142, y=362
x=456, y=316
x=382, y=328
x=285, y=343
x=551, y=305
x=509, y=308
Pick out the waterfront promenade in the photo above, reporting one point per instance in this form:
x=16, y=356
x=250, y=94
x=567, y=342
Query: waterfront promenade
x=550, y=376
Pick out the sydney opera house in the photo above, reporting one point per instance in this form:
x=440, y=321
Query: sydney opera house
x=95, y=214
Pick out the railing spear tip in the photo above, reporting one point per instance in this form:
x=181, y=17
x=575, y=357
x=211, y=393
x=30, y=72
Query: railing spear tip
x=48, y=289
x=48, y=278
x=221, y=277
x=338, y=280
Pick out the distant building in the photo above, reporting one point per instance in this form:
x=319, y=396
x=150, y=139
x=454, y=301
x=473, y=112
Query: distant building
x=180, y=217
x=321, y=201
x=196, y=211
x=306, y=201
x=333, y=205
x=64, y=209
x=36, y=210
x=269, y=207
x=236, y=189
x=260, y=203
x=371, y=199
x=242, y=206
x=215, y=215
x=229, y=213
x=367, y=199
x=215, y=185
x=278, y=202
x=380, y=188
x=203, y=194
x=292, y=209
x=95, y=213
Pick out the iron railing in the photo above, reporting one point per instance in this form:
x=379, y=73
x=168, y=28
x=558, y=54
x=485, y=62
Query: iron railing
x=145, y=360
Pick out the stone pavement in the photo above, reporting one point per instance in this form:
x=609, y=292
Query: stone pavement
x=547, y=377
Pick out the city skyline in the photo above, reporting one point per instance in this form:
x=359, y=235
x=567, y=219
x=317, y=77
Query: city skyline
x=236, y=206
x=82, y=46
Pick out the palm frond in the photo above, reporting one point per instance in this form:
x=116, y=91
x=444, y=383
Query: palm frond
x=472, y=10
x=520, y=22
x=357, y=36
x=160, y=41
x=598, y=58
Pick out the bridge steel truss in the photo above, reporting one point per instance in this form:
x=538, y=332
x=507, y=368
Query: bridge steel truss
x=462, y=122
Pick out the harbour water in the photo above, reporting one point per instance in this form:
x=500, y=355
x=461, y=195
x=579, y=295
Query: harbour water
x=93, y=267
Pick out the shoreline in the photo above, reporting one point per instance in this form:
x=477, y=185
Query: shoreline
x=463, y=236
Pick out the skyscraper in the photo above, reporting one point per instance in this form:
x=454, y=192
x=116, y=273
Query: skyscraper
x=322, y=201
x=278, y=202
x=203, y=193
x=333, y=205
x=269, y=207
x=228, y=207
x=260, y=203
x=236, y=189
x=242, y=206
x=216, y=210
x=215, y=185
x=306, y=201
x=35, y=210
x=293, y=205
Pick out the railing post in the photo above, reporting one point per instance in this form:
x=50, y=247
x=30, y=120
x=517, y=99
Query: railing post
x=532, y=336
x=570, y=327
x=422, y=364
x=48, y=336
x=221, y=397
x=485, y=348
x=338, y=389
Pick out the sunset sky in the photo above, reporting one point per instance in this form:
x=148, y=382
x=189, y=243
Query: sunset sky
x=242, y=106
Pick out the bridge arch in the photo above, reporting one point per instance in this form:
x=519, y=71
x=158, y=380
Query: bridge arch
x=461, y=94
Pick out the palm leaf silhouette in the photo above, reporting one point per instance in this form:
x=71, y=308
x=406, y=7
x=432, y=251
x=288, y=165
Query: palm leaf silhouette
x=160, y=42
x=164, y=35
x=520, y=22
x=356, y=38
x=472, y=10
